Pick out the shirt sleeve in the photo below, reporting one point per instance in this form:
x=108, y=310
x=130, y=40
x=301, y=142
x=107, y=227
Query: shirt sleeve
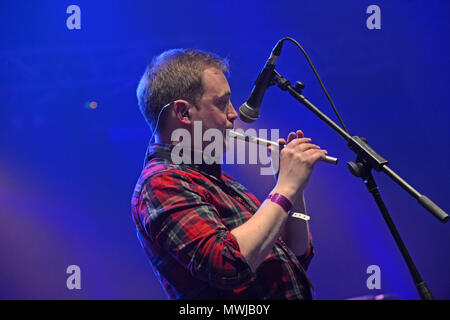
x=177, y=216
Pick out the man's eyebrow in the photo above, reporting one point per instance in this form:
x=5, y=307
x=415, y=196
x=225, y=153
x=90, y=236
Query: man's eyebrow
x=224, y=96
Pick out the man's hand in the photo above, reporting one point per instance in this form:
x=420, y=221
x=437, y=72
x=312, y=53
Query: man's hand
x=297, y=160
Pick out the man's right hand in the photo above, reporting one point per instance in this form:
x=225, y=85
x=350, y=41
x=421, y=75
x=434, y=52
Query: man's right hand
x=296, y=162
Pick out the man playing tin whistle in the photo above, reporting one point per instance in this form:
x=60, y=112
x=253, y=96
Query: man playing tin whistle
x=205, y=234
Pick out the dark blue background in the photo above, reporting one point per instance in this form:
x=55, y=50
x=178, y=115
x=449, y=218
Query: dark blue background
x=67, y=172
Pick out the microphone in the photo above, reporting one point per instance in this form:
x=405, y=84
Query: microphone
x=249, y=111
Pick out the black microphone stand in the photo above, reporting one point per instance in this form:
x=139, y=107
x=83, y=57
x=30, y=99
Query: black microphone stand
x=366, y=160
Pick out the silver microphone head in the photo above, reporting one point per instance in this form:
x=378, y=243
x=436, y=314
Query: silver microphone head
x=248, y=114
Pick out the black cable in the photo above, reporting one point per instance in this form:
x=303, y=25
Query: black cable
x=318, y=78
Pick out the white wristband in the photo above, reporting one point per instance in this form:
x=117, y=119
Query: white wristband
x=299, y=215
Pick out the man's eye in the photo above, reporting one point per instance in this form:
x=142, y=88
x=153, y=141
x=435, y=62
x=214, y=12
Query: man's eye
x=223, y=105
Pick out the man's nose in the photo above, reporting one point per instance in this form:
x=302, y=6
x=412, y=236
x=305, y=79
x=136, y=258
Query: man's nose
x=232, y=114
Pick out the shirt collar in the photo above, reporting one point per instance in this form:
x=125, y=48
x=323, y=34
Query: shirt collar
x=164, y=151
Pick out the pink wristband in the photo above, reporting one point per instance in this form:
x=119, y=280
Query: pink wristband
x=281, y=201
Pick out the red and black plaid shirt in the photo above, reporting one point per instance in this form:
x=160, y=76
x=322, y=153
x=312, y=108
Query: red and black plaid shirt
x=184, y=215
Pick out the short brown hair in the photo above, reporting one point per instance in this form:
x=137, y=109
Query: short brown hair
x=174, y=74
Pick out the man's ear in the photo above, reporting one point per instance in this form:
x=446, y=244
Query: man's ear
x=181, y=108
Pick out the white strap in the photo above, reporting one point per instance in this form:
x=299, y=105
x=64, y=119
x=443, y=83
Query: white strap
x=299, y=216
